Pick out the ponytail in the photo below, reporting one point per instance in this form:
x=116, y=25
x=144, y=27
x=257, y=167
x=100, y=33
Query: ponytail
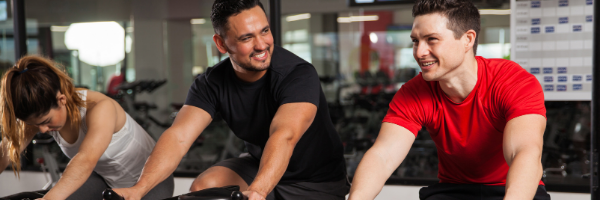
x=29, y=89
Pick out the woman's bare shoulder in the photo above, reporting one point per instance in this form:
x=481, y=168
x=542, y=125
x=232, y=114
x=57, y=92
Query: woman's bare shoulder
x=94, y=97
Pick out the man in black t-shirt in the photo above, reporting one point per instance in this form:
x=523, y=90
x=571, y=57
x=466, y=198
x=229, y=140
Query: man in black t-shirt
x=270, y=98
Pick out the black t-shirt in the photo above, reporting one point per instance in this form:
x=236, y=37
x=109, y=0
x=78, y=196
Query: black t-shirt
x=249, y=108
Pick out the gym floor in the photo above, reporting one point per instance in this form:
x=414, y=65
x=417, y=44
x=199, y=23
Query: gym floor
x=30, y=181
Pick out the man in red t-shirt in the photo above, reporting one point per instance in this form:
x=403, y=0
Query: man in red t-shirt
x=486, y=116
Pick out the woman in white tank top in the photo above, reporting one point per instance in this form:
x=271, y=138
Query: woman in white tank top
x=92, y=129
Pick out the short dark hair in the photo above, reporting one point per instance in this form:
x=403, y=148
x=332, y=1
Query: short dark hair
x=462, y=15
x=223, y=9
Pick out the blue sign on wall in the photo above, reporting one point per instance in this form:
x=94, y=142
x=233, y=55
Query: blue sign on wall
x=535, y=30
x=577, y=87
x=547, y=70
x=536, y=4
x=536, y=21
x=562, y=78
x=589, y=2
x=548, y=87
x=562, y=70
x=563, y=3
x=548, y=79
x=576, y=28
x=563, y=20
x=577, y=78
x=561, y=88
x=535, y=70
x=588, y=77
x=589, y=18
x=549, y=29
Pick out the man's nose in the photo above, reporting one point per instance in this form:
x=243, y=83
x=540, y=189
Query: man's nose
x=421, y=50
x=260, y=44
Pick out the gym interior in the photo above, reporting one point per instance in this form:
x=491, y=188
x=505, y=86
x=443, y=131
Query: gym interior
x=361, y=50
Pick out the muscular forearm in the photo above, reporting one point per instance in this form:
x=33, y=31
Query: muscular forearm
x=524, y=175
x=162, y=161
x=77, y=172
x=370, y=176
x=273, y=164
x=390, y=149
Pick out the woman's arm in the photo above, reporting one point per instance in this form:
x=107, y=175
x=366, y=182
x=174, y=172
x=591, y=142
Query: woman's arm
x=101, y=119
x=30, y=132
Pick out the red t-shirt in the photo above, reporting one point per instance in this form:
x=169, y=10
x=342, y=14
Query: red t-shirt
x=468, y=135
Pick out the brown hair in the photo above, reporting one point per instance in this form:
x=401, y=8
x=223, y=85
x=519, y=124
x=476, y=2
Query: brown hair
x=462, y=15
x=223, y=9
x=29, y=89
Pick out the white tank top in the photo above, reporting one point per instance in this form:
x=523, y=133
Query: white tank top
x=122, y=163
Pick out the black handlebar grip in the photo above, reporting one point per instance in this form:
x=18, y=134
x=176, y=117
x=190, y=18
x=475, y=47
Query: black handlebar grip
x=109, y=194
x=237, y=195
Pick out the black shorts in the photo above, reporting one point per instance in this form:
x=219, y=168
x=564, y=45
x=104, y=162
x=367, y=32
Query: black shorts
x=449, y=191
x=247, y=167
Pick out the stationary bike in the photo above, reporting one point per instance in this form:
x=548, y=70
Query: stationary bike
x=218, y=193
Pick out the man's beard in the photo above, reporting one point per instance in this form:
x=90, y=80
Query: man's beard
x=249, y=66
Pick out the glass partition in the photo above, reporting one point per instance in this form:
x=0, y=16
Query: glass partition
x=89, y=42
x=363, y=55
x=370, y=56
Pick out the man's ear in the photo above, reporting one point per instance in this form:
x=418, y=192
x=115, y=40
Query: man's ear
x=220, y=42
x=469, y=39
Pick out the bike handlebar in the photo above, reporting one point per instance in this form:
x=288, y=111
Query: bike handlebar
x=109, y=194
x=236, y=195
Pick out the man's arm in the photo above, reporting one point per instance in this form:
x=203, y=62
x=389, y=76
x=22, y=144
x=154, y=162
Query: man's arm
x=288, y=126
x=169, y=150
x=380, y=161
x=523, y=141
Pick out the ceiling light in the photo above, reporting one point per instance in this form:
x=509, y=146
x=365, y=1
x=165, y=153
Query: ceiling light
x=297, y=17
x=198, y=21
x=373, y=38
x=494, y=12
x=358, y=18
x=59, y=28
x=99, y=43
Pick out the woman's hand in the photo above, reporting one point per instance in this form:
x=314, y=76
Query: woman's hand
x=128, y=193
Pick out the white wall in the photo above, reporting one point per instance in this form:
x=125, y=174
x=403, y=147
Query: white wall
x=29, y=181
